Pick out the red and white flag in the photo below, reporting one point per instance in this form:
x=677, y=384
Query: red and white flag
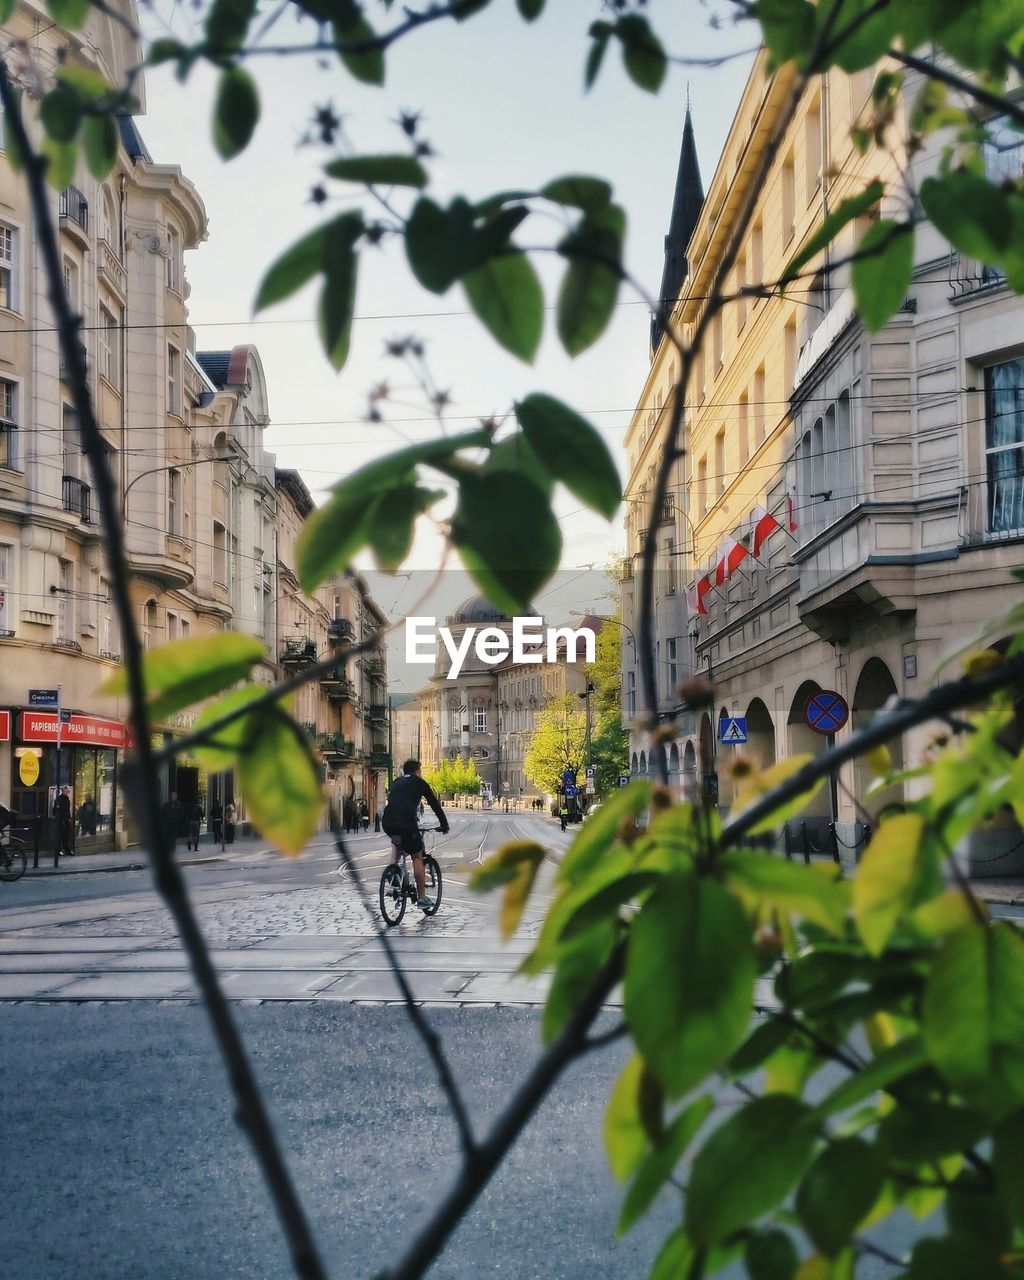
x=791, y=522
x=764, y=524
x=694, y=600
x=704, y=585
x=731, y=555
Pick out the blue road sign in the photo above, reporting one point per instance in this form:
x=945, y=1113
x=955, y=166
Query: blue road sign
x=43, y=697
x=623, y=779
x=826, y=711
x=568, y=777
x=591, y=771
x=733, y=730
x=571, y=790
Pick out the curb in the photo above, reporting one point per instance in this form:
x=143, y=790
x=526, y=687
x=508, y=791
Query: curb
x=38, y=873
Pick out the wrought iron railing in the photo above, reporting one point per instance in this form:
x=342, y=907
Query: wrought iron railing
x=74, y=206
x=77, y=497
x=993, y=510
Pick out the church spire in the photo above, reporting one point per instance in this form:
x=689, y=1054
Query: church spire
x=686, y=207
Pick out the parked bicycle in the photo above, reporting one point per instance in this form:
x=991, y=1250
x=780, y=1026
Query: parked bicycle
x=13, y=857
x=397, y=885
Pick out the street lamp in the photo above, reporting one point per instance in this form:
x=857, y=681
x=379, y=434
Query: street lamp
x=173, y=466
x=576, y=613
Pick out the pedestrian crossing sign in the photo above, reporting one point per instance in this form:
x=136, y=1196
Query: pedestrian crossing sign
x=733, y=730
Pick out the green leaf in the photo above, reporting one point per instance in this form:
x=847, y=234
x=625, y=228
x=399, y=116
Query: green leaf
x=770, y=1255
x=69, y=13
x=598, y=834
x=578, y=965
x=179, y=674
x=788, y=27
x=973, y=214
x=759, y=1046
x=689, y=980
x=61, y=113
x=391, y=523
x=953, y=1258
x=642, y=53
x=101, y=141
x=660, y=1163
x=600, y=34
x=675, y=1258
x=973, y=1016
x=366, y=65
x=236, y=111
x=61, y=158
x=748, y=1166
x=880, y=280
x=759, y=783
x=530, y=9
x=436, y=242
x=229, y=741
x=833, y=224
x=294, y=268
x=625, y=1139
x=837, y=1192
x=6, y=9
x=870, y=33
x=883, y=887
x=331, y=536
x=605, y=902
x=514, y=454
x=1008, y=1166
x=506, y=296
x=578, y=191
x=515, y=866
x=281, y=783
x=812, y=892
x=891, y=1065
x=166, y=50
x=384, y=170
x=572, y=450
x=227, y=23
x=507, y=536
x=928, y=1130
x=590, y=289
x=338, y=299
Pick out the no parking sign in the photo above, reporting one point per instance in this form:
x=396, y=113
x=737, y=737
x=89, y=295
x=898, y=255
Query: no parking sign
x=826, y=711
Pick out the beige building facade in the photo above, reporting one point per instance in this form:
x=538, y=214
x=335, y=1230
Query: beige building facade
x=890, y=466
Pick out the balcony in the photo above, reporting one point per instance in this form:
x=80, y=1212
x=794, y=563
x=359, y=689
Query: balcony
x=74, y=215
x=379, y=760
x=340, y=631
x=374, y=665
x=110, y=269
x=993, y=510
x=72, y=646
x=376, y=713
x=298, y=652
x=337, y=686
x=77, y=498
x=336, y=746
x=308, y=728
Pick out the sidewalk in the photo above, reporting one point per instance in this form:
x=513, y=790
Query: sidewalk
x=134, y=859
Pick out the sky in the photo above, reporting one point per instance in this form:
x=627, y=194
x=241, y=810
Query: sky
x=503, y=107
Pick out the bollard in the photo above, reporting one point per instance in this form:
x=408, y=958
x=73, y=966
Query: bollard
x=35, y=841
x=833, y=842
x=806, y=844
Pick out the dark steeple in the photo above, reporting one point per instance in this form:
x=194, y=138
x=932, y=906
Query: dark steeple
x=686, y=207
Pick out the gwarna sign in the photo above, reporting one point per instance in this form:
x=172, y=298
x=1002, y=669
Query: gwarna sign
x=529, y=641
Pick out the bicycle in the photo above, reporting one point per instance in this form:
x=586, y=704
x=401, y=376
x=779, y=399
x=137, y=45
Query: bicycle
x=397, y=884
x=13, y=858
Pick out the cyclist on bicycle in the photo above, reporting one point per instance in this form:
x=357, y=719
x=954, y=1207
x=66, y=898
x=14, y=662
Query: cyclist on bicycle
x=400, y=821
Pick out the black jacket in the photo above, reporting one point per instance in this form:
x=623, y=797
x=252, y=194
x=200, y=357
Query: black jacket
x=402, y=809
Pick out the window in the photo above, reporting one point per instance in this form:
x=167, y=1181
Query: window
x=759, y=406
x=149, y=624
x=110, y=633
x=174, y=380
x=65, y=602
x=718, y=342
x=788, y=198
x=172, y=626
x=456, y=721
x=812, y=150
x=670, y=566
x=5, y=584
x=186, y=628
x=1003, y=151
x=174, y=503
x=70, y=442
x=741, y=298
x=789, y=355
x=1004, y=445
x=757, y=253
x=699, y=376
x=109, y=226
x=8, y=268
x=480, y=720
x=720, y=463
x=672, y=667
x=71, y=284
x=743, y=429
x=220, y=554
x=173, y=259
x=110, y=347
x=8, y=422
x=702, y=487
x=631, y=695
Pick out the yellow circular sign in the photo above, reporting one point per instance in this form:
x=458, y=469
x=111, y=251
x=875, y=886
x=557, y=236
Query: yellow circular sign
x=28, y=770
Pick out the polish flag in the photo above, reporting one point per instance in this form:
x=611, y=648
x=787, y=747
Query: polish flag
x=764, y=525
x=731, y=555
x=694, y=600
x=704, y=585
x=791, y=510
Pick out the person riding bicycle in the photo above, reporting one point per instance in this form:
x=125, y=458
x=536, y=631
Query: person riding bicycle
x=400, y=821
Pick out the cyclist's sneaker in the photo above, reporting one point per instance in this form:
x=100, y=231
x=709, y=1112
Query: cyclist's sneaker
x=425, y=904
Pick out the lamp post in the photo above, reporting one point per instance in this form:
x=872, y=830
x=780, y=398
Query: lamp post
x=172, y=466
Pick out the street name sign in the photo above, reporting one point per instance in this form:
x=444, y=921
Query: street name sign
x=44, y=697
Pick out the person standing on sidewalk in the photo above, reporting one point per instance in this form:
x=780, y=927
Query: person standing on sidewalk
x=62, y=813
x=171, y=814
x=217, y=823
x=195, y=817
x=229, y=824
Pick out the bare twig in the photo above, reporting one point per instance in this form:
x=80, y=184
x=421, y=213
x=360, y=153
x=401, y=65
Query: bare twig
x=1002, y=103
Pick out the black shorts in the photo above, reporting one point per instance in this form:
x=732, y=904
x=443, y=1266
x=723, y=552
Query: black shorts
x=408, y=839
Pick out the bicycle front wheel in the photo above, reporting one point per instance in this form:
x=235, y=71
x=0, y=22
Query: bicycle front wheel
x=433, y=883
x=12, y=862
x=392, y=895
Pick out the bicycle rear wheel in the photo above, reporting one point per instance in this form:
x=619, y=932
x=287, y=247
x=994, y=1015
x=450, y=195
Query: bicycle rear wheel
x=12, y=862
x=433, y=883
x=392, y=894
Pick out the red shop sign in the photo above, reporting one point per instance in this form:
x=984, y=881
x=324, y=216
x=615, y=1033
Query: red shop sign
x=86, y=731
x=5, y=726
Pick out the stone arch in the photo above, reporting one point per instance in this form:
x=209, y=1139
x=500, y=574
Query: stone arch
x=804, y=741
x=643, y=761
x=760, y=733
x=875, y=686
x=634, y=768
x=689, y=770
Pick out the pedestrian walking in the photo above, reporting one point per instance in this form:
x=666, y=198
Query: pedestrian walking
x=217, y=823
x=171, y=814
x=195, y=815
x=364, y=815
x=62, y=813
x=229, y=824
x=87, y=817
x=564, y=813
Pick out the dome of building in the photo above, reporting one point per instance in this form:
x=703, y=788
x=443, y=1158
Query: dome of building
x=478, y=609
